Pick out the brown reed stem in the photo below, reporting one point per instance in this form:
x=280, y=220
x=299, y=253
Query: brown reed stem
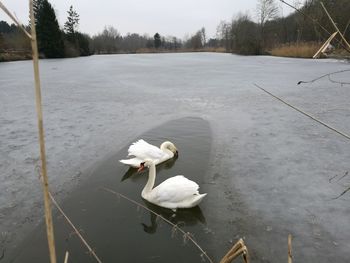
x=343, y=193
x=48, y=215
x=327, y=75
x=91, y=251
x=239, y=248
x=335, y=25
x=290, y=248
x=304, y=113
x=45, y=182
x=186, y=235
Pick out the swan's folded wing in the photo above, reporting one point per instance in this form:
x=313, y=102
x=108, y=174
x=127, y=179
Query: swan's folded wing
x=134, y=162
x=143, y=150
x=175, y=189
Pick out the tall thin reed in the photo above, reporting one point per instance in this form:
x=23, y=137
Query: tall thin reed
x=290, y=248
x=66, y=257
x=45, y=184
x=91, y=251
x=304, y=113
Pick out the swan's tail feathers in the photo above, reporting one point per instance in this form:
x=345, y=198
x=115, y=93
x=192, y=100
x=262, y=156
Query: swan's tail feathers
x=198, y=199
x=134, y=162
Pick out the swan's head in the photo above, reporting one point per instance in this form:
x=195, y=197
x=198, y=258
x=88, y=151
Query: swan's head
x=169, y=146
x=147, y=163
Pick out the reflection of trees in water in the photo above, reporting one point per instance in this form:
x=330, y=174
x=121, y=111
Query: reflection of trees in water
x=166, y=165
x=182, y=217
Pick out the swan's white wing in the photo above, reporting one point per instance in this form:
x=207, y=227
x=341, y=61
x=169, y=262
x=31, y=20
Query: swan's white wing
x=175, y=189
x=144, y=150
x=133, y=162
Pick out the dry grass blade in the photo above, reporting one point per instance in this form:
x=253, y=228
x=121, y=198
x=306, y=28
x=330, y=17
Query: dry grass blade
x=304, y=113
x=91, y=251
x=186, y=236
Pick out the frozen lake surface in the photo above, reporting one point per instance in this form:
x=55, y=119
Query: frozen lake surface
x=271, y=171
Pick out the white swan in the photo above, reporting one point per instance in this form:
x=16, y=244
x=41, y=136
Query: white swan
x=175, y=192
x=142, y=150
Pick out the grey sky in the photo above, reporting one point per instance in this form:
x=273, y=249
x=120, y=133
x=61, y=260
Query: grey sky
x=176, y=18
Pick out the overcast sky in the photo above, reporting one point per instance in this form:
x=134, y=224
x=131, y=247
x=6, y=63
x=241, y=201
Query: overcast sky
x=176, y=18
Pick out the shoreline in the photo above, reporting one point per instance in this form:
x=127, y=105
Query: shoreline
x=22, y=55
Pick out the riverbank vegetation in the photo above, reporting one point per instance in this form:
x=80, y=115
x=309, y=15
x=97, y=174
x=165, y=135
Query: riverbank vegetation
x=298, y=34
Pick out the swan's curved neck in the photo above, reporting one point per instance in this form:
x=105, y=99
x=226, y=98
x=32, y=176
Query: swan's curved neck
x=151, y=179
x=164, y=147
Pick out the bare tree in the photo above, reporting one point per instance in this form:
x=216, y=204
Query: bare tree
x=204, y=37
x=266, y=10
x=223, y=33
x=109, y=41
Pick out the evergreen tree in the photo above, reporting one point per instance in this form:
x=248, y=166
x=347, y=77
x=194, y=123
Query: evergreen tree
x=78, y=44
x=157, y=40
x=4, y=27
x=84, y=44
x=48, y=31
x=72, y=21
x=37, y=5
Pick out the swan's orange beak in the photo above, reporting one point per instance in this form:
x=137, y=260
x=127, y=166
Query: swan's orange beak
x=142, y=166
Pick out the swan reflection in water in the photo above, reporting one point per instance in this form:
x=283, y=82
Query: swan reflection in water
x=166, y=165
x=182, y=217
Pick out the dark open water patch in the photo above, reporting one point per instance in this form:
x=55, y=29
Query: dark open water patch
x=120, y=231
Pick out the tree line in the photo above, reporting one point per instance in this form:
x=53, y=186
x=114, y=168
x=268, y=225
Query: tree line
x=242, y=35
x=309, y=24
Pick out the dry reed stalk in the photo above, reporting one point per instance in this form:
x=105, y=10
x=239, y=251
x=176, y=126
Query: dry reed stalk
x=48, y=215
x=186, y=235
x=3, y=7
x=343, y=193
x=304, y=113
x=45, y=181
x=239, y=248
x=66, y=257
x=290, y=248
x=335, y=26
x=91, y=251
x=328, y=75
